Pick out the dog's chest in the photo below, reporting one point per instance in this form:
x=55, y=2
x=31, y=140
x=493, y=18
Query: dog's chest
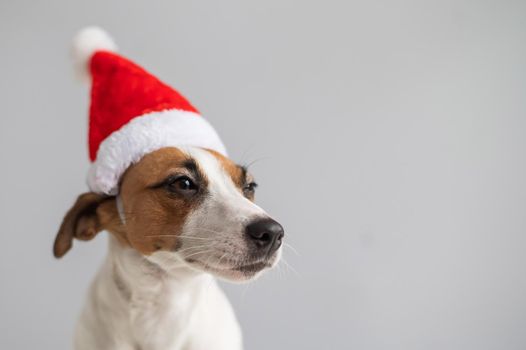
x=162, y=319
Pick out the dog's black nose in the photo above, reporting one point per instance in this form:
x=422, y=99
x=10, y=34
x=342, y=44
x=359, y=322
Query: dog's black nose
x=266, y=233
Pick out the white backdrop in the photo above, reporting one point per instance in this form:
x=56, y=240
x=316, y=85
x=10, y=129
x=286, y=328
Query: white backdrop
x=392, y=138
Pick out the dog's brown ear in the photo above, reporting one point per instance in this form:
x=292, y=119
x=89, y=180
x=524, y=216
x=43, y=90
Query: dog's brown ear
x=83, y=221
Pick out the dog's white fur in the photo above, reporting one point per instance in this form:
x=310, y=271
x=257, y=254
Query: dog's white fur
x=164, y=300
x=134, y=304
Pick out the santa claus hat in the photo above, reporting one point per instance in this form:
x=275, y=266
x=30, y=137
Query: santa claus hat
x=132, y=113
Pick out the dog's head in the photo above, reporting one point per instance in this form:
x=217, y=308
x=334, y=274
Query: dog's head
x=191, y=206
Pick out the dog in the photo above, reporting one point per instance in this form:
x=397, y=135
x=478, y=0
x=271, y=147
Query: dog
x=180, y=217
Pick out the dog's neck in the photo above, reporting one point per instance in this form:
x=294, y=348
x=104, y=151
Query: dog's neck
x=135, y=276
x=140, y=304
x=139, y=301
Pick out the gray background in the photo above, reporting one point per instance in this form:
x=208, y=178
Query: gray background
x=392, y=138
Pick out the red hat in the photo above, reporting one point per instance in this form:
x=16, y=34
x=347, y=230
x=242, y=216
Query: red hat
x=132, y=112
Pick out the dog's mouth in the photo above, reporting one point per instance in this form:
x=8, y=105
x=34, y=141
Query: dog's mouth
x=238, y=272
x=253, y=268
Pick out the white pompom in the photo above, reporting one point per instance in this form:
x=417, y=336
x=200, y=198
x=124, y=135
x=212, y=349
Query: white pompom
x=88, y=41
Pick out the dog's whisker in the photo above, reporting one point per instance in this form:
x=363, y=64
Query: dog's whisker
x=209, y=230
x=246, y=154
x=199, y=252
x=290, y=267
x=192, y=237
x=279, y=270
x=221, y=259
x=256, y=161
x=207, y=263
x=196, y=247
x=179, y=236
x=285, y=244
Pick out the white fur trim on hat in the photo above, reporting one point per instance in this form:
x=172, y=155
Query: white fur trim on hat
x=143, y=135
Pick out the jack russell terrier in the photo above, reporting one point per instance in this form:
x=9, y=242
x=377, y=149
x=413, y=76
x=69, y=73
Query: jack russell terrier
x=178, y=210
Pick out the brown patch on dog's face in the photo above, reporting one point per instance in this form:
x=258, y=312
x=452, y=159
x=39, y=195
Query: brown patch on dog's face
x=157, y=195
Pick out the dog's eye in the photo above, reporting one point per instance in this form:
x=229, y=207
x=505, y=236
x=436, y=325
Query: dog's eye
x=250, y=189
x=182, y=185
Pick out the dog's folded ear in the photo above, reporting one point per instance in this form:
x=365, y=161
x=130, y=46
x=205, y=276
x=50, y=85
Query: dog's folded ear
x=90, y=214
